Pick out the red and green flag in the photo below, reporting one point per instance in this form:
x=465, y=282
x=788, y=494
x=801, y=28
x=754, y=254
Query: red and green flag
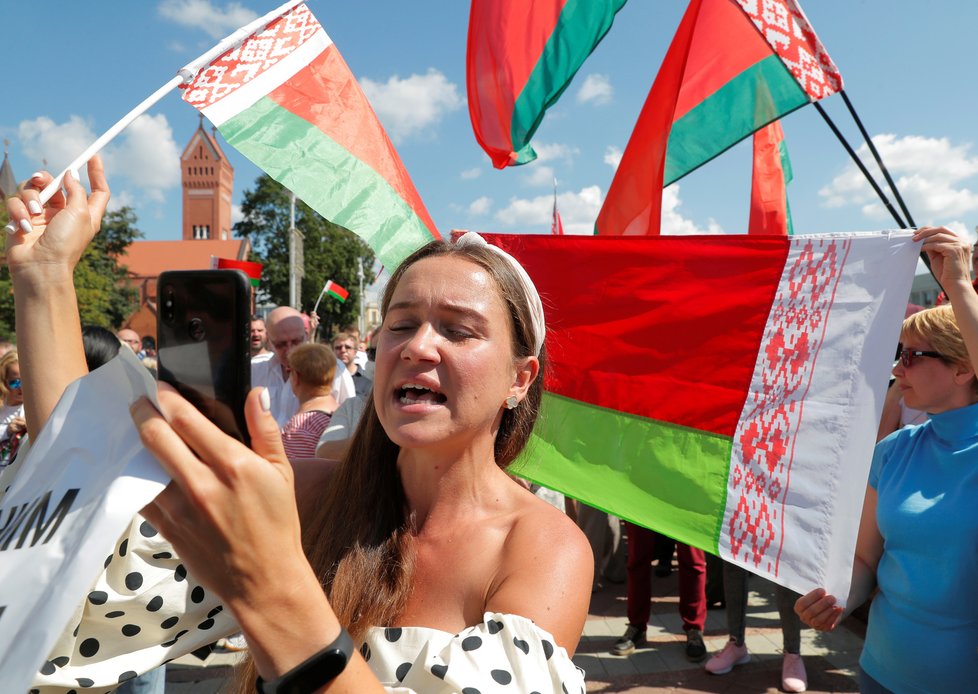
x=724, y=393
x=336, y=291
x=252, y=269
x=521, y=56
x=286, y=100
x=733, y=67
x=769, y=210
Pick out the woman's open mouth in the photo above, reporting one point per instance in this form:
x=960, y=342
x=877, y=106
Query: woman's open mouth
x=414, y=393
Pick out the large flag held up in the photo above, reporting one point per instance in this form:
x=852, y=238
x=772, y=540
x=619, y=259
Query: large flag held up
x=726, y=393
x=285, y=99
x=733, y=67
x=521, y=56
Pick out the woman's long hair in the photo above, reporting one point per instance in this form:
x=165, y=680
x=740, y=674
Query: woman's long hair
x=359, y=540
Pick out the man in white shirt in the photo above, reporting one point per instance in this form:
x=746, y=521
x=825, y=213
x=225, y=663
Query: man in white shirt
x=286, y=330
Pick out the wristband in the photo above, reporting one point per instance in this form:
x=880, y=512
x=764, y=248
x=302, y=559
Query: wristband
x=313, y=673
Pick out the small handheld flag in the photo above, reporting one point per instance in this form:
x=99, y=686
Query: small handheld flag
x=336, y=291
x=253, y=270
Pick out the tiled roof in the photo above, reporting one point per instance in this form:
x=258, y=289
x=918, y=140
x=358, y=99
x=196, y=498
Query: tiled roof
x=150, y=258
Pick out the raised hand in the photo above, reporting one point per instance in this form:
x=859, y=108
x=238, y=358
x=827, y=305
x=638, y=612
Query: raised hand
x=949, y=254
x=53, y=237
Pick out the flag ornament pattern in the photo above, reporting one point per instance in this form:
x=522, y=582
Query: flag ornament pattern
x=520, y=57
x=786, y=29
x=764, y=442
x=285, y=99
x=336, y=291
x=733, y=67
x=250, y=268
x=724, y=393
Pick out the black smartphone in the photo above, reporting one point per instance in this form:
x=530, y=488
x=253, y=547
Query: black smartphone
x=202, y=329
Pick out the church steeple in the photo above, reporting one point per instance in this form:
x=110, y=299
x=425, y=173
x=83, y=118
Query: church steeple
x=208, y=182
x=8, y=182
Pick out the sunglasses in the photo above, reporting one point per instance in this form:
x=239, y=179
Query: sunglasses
x=14, y=384
x=906, y=356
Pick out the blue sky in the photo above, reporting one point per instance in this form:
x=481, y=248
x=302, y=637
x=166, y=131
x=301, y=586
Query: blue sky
x=909, y=67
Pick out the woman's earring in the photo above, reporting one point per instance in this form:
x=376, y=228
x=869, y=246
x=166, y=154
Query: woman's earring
x=512, y=402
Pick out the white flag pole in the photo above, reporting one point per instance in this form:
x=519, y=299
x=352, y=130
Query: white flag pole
x=322, y=294
x=184, y=76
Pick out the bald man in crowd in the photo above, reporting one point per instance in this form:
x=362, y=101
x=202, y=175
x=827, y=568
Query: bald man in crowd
x=286, y=330
x=131, y=338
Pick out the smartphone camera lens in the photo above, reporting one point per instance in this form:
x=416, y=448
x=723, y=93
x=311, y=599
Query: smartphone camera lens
x=168, y=304
x=196, y=330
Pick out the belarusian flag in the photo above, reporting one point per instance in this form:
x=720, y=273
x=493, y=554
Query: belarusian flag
x=286, y=100
x=336, y=291
x=733, y=67
x=769, y=209
x=252, y=269
x=726, y=393
x=521, y=56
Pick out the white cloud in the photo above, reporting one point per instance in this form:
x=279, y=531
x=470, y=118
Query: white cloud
x=596, y=90
x=931, y=173
x=470, y=174
x=612, y=156
x=145, y=155
x=120, y=199
x=148, y=156
x=213, y=20
x=480, y=206
x=540, y=175
x=577, y=212
x=674, y=223
x=551, y=152
x=236, y=214
x=409, y=106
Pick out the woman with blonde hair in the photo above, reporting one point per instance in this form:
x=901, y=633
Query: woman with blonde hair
x=12, y=423
x=446, y=573
x=917, y=546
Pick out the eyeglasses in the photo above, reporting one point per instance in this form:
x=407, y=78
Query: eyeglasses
x=340, y=348
x=14, y=384
x=906, y=356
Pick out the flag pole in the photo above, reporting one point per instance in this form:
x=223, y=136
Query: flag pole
x=872, y=182
x=184, y=76
x=862, y=167
x=876, y=156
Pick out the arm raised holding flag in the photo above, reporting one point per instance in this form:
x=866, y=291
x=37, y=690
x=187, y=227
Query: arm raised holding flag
x=387, y=534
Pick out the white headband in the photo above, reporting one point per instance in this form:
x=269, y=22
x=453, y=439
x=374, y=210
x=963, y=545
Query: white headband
x=470, y=238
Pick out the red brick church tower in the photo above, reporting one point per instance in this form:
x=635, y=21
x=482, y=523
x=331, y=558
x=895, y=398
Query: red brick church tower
x=208, y=181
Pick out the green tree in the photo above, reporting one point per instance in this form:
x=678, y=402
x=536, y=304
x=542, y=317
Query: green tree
x=104, y=295
x=330, y=253
x=6, y=292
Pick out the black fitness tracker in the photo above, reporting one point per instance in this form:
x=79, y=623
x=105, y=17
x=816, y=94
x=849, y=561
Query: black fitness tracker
x=313, y=673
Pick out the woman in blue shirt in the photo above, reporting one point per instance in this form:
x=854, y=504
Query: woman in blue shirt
x=918, y=537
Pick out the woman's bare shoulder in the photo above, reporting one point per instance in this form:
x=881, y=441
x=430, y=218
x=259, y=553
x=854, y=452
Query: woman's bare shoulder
x=546, y=571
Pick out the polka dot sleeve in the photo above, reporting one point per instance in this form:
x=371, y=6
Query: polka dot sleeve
x=142, y=611
x=504, y=653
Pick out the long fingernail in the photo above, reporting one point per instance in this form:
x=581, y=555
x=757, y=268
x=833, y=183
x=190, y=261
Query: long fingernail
x=35, y=207
x=11, y=229
x=36, y=174
x=74, y=172
x=26, y=226
x=265, y=400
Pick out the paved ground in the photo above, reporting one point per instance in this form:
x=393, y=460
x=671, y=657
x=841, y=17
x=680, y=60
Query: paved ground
x=831, y=659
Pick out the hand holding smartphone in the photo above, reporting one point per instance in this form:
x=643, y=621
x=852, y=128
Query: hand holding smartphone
x=203, y=322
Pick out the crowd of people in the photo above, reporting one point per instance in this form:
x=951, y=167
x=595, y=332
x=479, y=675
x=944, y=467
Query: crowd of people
x=371, y=539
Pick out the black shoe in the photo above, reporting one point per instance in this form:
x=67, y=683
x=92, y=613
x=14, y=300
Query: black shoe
x=695, y=648
x=663, y=569
x=633, y=638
